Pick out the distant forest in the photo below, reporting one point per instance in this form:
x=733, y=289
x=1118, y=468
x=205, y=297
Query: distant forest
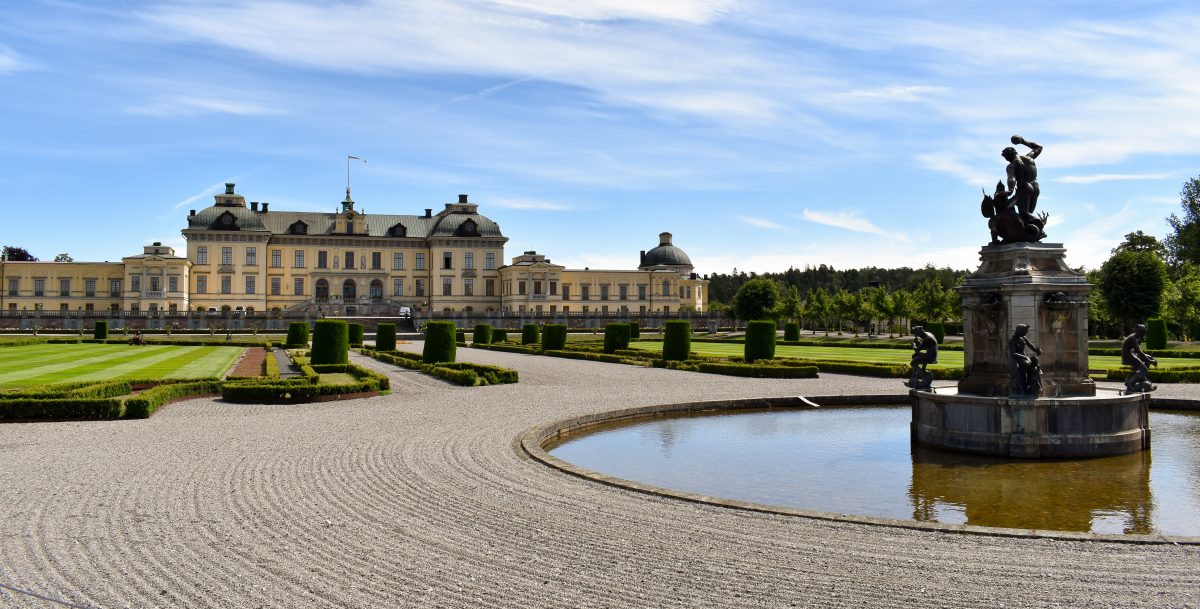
x=722, y=287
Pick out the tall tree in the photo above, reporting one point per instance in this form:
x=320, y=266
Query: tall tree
x=1184, y=244
x=64, y=257
x=820, y=307
x=758, y=298
x=18, y=254
x=1132, y=281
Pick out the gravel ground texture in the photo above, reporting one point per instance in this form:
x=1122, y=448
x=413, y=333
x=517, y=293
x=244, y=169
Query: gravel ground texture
x=421, y=499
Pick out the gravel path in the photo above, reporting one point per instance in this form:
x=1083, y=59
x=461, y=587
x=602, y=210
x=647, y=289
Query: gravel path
x=419, y=499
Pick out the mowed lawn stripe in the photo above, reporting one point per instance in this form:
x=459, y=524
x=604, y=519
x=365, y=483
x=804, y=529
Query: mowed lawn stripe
x=139, y=368
x=214, y=361
x=45, y=354
x=62, y=369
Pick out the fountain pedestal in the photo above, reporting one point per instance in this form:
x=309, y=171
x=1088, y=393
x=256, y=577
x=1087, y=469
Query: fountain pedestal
x=1031, y=284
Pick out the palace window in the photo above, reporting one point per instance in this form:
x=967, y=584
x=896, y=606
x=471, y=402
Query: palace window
x=135, y=284
x=276, y=286
x=398, y=261
x=249, y=284
x=226, y=284
x=446, y=285
x=604, y=292
x=469, y=260
x=447, y=260
x=201, y=284
x=277, y=258
x=585, y=292
x=172, y=283
x=64, y=287
x=226, y=255
x=420, y=262
x=14, y=285
x=299, y=259
x=489, y=287
x=155, y=284
x=566, y=292
x=202, y=254
x=251, y=255
x=468, y=287
x=322, y=259
x=114, y=287
x=89, y=288
x=419, y=287
x=623, y=292
x=376, y=260
x=298, y=286
x=349, y=260
x=398, y=286
x=521, y=288
x=489, y=261
x=641, y=292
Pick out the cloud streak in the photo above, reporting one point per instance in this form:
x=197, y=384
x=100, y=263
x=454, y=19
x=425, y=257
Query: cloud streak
x=762, y=223
x=1112, y=177
x=851, y=221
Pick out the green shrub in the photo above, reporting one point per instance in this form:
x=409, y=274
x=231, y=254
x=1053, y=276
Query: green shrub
x=331, y=342
x=760, y=340
x=759, y=371
x=635, y=331
x=499, y=335
x=461, y=373
x=554, y=337
x=385, y=337
x=356, y=334
x=482, y=335
x=101, y=331
x=616, y=336
x=791, y=331
x=530, y=334
x=147, y=402
x=59, y=408
x=460, y=336
x=1156, y=333
x=677, y=340
x=297, y=335
x=439, y=342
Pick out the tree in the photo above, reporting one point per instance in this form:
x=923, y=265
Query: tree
x=1184, y=244
x=932, y=301
x=1132, y=282
x=906, y=306
x=1182, y=300
x=884, y=306
x=18, y=254
x=757, y=299
x=1138, y=241
x=820, y=307
x=845, y=306
x=64, y=257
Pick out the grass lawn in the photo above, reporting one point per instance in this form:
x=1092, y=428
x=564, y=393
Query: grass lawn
x=337, y=378
x=949, y=359
x=31, y=365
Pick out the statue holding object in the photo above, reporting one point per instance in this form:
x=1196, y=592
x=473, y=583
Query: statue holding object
x=1133, y=356
x=1010, y=209
x=925, y=350
x=1026, y=373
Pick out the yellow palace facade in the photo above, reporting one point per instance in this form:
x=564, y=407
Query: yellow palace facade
x=247, y=259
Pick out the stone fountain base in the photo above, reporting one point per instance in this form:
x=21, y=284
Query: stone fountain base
x=1033, y=428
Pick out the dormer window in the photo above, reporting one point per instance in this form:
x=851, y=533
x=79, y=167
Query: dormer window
x=298, y=228
x=467, y=229
x=398, y=230
x=225, y=221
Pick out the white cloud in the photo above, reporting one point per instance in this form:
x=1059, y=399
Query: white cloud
x=952, y=164
x=190, y=106
x=9, y=61
x=852, y=221
x=1110, y=177
x=761, y=222
x=687, y=11
x=527, y=204
x=901, y=93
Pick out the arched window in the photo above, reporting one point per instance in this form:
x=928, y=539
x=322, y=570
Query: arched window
x=349, y=289
x=666, y=291
x=322, y=289
x=376, y=289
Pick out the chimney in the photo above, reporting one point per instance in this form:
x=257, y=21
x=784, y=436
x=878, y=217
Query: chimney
x=229, y=188
x=664, y=238
x=264, y=206
x=254, y=206
x=193, y=213
x=642, y=260
x=428, y=212
x=462, y=198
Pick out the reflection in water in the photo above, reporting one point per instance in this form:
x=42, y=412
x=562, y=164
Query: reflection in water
x=859, y=461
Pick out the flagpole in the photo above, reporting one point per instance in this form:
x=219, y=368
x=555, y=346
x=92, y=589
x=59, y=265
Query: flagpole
x=348, y=157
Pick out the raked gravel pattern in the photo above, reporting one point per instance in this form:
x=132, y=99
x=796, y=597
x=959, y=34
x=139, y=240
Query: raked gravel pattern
x=421, y=499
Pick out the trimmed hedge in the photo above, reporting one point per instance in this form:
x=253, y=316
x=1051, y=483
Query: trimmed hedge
x=791, y=331
x=302, y=391
x=356, y=335
x=270, y=365
x=59, y=408
x=554, y=337
x=759, y=371
x=1170, y=375
x=147, y=402
x=385, y=337
x=499, y=335
x=677, y=340
x=482, y=335
x=616, y=336
x=461, y=373
x=331, y=342
x=760, y=340
x=530, y=334
x=597, y=357
x=635, y=330
x=460, y=336
x=938, y=330
x=101, y=331
x=440, y=345
x=526, y=349
x=1156, y=333
x=297, y=335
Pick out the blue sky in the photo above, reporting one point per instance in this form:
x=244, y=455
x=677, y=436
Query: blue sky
x=762, y=134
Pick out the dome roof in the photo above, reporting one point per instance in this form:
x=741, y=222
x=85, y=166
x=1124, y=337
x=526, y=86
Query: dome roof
x=666, y=254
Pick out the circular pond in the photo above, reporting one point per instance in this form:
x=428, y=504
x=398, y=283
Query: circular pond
x=860, y=461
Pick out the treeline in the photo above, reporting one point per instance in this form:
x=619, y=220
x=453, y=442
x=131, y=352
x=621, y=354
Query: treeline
x=722, y=287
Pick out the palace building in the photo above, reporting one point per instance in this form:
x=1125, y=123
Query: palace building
x=250, y=259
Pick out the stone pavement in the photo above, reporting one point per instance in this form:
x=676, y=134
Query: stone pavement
x=420, y=499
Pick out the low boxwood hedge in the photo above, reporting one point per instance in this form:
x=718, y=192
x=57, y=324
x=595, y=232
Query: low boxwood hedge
x=460, y=373
x=1170, y=375
x=147, y=402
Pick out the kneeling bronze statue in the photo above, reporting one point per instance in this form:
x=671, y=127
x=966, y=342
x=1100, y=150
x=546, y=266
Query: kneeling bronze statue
x=1133, y=356
x=925, y=347
x=1026, y=373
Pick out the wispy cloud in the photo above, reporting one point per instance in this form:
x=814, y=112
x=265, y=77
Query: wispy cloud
x=527, y=204
x=686, y=11
x=762, y=222
x=9, y=62
x=851, y=221
x=189, y=106
x=1111, y=177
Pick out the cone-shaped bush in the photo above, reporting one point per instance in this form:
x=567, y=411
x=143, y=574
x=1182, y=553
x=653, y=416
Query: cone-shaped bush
x=356, y=335
x=616, y=336
x=101, y=331
x=331, y=342
x=635, y=331
x=1156, y=333
x=499, y=335
x=554, y=337
x=530, y=334
x=482, y=335
x=791, y=331
x=677, y=340
x=385, y=337
x=439, y=342
x=760, y=340
x=297, y=334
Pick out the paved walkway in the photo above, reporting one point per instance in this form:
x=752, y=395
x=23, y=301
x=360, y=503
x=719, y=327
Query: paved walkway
x=419, y=499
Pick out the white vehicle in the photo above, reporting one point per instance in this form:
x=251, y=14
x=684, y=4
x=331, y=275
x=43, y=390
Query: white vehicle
x=405, y=312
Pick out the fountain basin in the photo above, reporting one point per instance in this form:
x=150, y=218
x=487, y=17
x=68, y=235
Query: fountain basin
x=1066, y=427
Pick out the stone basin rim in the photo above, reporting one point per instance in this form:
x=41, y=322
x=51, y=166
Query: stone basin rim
x=531, y=443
